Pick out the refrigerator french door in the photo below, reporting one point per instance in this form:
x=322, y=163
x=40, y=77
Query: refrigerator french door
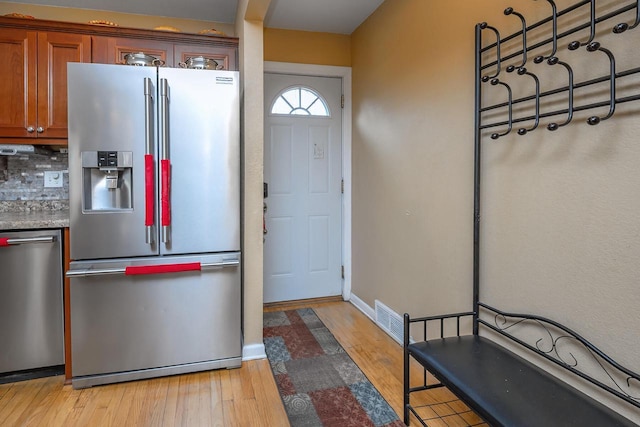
x=154, y=221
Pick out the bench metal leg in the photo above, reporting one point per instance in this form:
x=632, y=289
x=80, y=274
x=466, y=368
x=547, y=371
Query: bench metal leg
x=406, y=368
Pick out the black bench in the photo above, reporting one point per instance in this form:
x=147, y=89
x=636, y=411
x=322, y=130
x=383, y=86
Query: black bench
x=505, y=389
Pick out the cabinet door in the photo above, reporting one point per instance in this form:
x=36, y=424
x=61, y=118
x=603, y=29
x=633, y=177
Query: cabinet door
x=111, y=50
x=54, y=51
x=224, y=56
x=18, y=74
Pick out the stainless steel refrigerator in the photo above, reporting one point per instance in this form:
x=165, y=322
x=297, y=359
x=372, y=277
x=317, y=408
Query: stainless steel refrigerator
x=154, y=192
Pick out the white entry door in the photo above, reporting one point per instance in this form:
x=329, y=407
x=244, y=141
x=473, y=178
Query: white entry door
x=303, y=172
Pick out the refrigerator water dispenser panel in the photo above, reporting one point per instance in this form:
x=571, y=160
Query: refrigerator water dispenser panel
x=107, y=181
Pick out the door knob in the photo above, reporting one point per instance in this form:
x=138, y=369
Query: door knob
x=40, y=129
x=30, y=129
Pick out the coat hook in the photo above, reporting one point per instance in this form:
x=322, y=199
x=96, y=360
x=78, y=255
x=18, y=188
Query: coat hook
x=592, y=47
x=483, y=26
x=622, y=27
x=496, y=82
x=553, y=61
x=509, y=11
x=576, y=44
x=554, y=20
x=522, y=71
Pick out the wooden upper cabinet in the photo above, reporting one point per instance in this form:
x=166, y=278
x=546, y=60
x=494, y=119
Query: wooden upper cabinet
x=112, y=50
x=55, y=50
x=18, y=82
x=224, y=56
x=33, y=81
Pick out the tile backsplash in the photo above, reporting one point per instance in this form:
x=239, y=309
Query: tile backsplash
x=22, y=177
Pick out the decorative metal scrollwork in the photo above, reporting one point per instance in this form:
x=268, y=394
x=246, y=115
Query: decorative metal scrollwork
x=568, y=349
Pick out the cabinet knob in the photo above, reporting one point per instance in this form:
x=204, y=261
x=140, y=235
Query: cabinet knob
x=30, y=129
x=40, y=129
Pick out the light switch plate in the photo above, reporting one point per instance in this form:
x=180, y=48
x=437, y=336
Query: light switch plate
x=53, y=179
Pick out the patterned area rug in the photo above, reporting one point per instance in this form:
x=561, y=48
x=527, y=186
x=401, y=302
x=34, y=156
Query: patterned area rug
x=319, y=383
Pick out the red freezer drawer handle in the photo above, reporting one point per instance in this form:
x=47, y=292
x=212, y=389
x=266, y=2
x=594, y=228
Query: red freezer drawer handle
x=160, y=269
x=4, y=241
x=166, y=191
x=148, y=190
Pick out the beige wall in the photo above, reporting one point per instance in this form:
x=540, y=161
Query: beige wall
x=560, y=225
x=306, y=47
x=413, y=157
x=122, y=19
x=250, y=30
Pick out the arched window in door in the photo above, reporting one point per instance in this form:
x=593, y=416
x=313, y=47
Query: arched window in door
x=300, y=101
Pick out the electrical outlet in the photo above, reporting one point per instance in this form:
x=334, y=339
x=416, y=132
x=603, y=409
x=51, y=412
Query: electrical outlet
x=53, y=179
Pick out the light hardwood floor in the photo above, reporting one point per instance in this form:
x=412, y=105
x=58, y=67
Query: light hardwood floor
x=238, y=397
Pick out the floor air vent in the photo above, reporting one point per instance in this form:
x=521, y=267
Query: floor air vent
x=390, y=321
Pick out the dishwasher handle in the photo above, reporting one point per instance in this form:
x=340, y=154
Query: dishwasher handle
x=12, y=241
x=153, y=269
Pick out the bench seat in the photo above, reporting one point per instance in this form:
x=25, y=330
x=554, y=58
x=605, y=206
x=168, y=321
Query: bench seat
x=505, y=389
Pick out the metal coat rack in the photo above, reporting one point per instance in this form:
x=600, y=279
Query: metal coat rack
x=489, y=76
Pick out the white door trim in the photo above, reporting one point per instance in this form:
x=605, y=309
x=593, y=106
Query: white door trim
x=345, y=74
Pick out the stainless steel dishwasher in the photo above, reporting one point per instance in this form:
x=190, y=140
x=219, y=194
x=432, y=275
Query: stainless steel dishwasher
x=31, y=314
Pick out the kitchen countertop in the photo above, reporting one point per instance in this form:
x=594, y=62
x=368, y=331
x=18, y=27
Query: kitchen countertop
x=21, y=216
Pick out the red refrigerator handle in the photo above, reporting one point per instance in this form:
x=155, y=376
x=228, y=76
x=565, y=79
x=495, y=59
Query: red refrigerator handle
x=165, y=166
x=135, y=270
x=148, y=190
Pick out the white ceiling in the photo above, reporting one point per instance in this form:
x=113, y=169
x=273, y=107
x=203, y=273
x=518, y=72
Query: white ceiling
x=331, y=16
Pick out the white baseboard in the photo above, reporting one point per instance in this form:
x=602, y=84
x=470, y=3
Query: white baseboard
x=253, y=352
x=363, y=307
